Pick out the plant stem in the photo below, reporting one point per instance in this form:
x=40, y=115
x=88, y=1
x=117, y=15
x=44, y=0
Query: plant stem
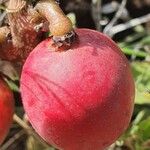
x=59, y=23
x=29, y=130
x=12, y=140
x=107, y=29
x=96, y=13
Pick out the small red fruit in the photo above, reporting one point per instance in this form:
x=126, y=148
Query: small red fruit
x=6, y=109
x=79, y=99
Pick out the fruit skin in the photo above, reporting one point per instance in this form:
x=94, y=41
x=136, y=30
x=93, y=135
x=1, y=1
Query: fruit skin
x=79, y=99
x=6, y=109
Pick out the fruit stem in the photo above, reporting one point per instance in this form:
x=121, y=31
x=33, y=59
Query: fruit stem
x=59, y=23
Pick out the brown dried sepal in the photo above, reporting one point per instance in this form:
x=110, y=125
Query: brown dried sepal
x=63, y=42
x=22, y=27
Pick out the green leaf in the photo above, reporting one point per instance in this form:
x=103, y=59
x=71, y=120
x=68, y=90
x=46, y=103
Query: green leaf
x=146, y=40
x=131, y=51
x=144, y=129
x=12, y=85
x=141, y=73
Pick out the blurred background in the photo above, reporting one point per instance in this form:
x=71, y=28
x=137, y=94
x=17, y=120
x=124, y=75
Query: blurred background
x=127, y=22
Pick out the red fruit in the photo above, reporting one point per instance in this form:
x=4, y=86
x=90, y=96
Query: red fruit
x=79, y=99
x=6, y=109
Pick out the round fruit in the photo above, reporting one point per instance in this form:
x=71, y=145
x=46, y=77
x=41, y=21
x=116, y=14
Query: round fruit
x=81, y=98
x=6, y=109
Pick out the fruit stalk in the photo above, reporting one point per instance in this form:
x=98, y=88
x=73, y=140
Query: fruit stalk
x=60, y=24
